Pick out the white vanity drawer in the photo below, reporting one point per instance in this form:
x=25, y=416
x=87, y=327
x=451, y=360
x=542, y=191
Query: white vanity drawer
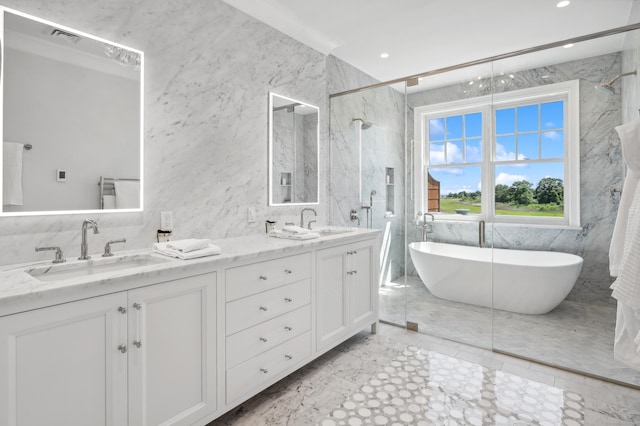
x=245, y=280
x=252, y=310
x=254, y=340
x=253, y=373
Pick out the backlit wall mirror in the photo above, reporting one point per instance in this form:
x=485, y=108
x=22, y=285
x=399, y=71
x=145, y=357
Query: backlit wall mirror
x=293, y=151
x=71, y=120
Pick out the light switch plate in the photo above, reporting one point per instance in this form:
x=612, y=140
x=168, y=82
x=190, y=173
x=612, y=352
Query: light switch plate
x=251, y=214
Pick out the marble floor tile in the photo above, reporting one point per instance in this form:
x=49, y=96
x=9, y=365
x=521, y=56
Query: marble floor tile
x=574, y=335
x=399, y=377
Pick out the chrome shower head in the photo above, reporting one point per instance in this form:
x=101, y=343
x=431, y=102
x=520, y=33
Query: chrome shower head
x=608, y=87
x=364, y=125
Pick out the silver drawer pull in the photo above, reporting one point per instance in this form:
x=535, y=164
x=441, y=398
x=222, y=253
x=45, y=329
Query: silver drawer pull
x=288, y=300
x=352, y=252
x=263, y=308
x=352, y=272
x=263, y=277
x=122, y=310
x=264, y=370
x=287, y=271
x=288, y=328
x=122, y=348
x=262, y=339
x=288, y=356
x=137, y=343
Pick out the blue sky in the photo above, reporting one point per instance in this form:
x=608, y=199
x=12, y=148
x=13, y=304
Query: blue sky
x=534, y=132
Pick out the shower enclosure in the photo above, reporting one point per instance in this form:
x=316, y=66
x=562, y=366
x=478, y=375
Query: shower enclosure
x=518, y=150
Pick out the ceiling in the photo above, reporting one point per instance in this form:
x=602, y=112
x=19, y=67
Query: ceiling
x=425, y=35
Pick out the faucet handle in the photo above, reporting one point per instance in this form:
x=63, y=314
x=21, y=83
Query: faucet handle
x=107, y=247
x=59, y=258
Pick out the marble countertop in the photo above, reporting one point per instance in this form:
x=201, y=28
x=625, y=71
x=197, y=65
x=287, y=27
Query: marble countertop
x=21, y=291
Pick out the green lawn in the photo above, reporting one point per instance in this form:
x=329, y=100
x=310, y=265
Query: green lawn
x=450, y=205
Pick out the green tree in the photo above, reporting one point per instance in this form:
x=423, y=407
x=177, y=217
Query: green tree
x=521, y=192
x=550, y=190
x=502, y=193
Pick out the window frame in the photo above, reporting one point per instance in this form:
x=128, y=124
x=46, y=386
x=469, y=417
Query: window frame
x=567, y=91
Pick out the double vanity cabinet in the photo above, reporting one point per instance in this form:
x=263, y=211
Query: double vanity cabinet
x=179, y=342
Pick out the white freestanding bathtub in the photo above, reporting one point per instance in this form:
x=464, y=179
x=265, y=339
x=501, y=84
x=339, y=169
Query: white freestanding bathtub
x=526, y=282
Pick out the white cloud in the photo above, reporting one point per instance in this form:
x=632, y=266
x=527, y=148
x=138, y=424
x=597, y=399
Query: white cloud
x=554, y=136
x=508, y=179
x=447, y=171
x=503, y=155
x=436, y=154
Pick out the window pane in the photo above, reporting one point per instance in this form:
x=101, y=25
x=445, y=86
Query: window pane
x=528, y=146
x=459, y=189
x=474, y=150
x=454, y=152
x=506, y=148
x=505, y=121
x=436, y=129
x=436, y=153
x=530, y=190
x=552, y=144
x=552, y=115
x=527, y=118
x=454, y=127
x=473, y=125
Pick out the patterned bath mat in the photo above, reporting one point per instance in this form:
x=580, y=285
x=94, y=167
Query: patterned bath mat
x=422, y=387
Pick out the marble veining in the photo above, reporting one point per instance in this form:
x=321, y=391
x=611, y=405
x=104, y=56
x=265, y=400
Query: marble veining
x=17, y=287
x=206, y=109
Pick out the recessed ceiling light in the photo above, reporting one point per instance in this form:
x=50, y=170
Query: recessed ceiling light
x=566, y=46
x=384, y=55
x=563, y=3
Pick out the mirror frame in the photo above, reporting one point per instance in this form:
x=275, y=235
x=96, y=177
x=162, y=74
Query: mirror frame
x=271, y=184
x=3, y=11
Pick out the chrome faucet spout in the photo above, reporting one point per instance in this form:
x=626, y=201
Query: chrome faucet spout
x=481, y=234
x=302, y=215
x=84, y=246
x=424, y=217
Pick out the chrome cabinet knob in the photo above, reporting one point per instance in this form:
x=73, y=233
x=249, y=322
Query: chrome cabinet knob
x=287, y=271
x=288, y=328
x=262, y=339
x=288, y=356
x=122, y=310
x=137, y=306
x=264, y=370
x=263, y=277
x=122, y=348
x=137, y=343
x=288, y=300
x=263, y=308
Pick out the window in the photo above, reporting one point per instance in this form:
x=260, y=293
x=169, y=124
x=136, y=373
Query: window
x=511, y=157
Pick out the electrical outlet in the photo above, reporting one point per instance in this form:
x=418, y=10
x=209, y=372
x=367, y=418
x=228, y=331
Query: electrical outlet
x=251, y=214
x=166, y=221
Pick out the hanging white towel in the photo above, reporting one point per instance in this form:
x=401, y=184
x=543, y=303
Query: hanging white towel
x=630, y=138
x=127, y=194
x=624, y=254
x=12, y=173
x=108, y=202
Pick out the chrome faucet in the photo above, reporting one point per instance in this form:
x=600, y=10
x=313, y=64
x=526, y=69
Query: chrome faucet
x=424, y=217
x=426, y=228
x=84, y=247
x=302, y=215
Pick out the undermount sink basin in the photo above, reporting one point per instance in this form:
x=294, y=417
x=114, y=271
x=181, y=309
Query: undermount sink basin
x=61, y=271
x=324, y=232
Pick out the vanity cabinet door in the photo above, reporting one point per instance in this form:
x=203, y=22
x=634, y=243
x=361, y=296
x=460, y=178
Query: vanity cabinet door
x=61, y=365
x=172, y=352
x=346, y=291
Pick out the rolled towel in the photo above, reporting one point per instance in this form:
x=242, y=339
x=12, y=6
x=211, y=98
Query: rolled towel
x=293, y=229
x=189, y=244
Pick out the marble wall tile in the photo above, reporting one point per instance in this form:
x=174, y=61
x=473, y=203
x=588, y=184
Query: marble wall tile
x=208, y=71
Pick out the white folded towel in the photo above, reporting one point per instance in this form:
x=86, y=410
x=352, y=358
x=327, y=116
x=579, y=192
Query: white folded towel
x=293, y=229
x=108, y=202
x=291, y=236
x=127, y=194
x=162, y=248
x=189, y=244
x=12, y=174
